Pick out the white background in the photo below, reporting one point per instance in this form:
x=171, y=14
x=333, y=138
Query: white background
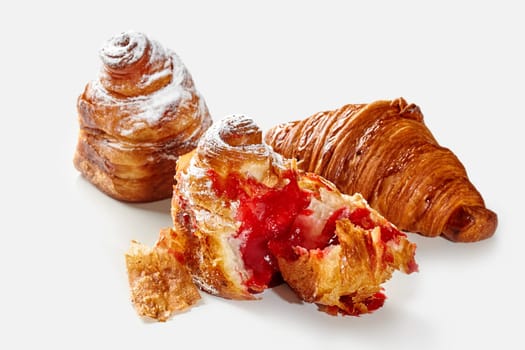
x=62, y=271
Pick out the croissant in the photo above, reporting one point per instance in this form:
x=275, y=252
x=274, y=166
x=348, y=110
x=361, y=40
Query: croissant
x=384, y=151
x=244, y=217
x=136, y=118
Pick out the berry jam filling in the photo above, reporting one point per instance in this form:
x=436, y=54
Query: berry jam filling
x=265, y=214
x=361, y=217
x=372, y=303
x=275, y=220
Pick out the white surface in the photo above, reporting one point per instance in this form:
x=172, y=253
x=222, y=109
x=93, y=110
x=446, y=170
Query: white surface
x=62, y=267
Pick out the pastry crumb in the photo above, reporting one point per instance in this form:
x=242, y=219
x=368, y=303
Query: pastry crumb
x=160, y=285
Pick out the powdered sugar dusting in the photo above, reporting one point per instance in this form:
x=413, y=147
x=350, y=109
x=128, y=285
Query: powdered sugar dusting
x=154, y=107
x=159, y=54
x=149, y=79
x=147, y=110
x=193, y=173
x=151, y=108
x=124, y=48
x=166, y=84
x=234, y=125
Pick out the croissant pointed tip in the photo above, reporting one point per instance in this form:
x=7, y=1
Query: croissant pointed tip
x=471, y=224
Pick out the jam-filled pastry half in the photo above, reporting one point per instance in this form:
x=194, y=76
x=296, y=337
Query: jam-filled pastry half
x=384, y=151
x=243, y=216
x=139, y=114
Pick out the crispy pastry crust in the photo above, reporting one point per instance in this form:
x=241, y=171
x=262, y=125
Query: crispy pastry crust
x=384, y=151
x=136, y=118
x=344, y=277
x=347, y=278
x=160, y=285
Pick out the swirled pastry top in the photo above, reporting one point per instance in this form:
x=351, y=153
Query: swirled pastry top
x=143, y=93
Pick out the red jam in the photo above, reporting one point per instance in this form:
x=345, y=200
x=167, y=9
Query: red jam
x=361, y=217
x=372, y=303
x=275, y=220
x=266, y=214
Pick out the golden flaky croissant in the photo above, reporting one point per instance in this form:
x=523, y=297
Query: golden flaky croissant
x=136, y=118
x=244, y=216
x=384, y=151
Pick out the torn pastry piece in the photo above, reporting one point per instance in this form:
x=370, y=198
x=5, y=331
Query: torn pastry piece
x=243, y=215
x=339, y=251
x=384, y=151
x=160, y=285
x=136, y=117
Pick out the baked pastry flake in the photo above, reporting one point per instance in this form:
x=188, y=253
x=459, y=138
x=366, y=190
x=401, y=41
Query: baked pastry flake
x=160, y=284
